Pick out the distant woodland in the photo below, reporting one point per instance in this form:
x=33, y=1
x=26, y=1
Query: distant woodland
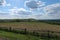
x=56, y=21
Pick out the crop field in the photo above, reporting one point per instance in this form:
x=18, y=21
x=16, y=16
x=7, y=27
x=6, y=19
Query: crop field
x=31, y=26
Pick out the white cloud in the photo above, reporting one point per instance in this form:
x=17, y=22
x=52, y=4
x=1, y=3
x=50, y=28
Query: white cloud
x=16, y=11
x=4, y=15
x=4, y=3
x=8, y=5
x=52, y=11
x=49, y=12
x=13, y=11
x=20, y=12
x=33, y=4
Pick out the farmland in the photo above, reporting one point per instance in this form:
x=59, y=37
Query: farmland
x=30, y=26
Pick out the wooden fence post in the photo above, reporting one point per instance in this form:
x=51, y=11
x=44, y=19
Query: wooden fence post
x=25, y=31
x=10, y=29
x=48, y=35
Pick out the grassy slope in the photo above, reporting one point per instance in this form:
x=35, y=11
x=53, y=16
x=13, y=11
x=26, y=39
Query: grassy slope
x=13, y=36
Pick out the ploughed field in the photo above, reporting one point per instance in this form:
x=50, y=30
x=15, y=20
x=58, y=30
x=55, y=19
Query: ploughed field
x=31, y=26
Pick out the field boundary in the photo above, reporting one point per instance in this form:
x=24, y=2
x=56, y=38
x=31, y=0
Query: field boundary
x=38, y=33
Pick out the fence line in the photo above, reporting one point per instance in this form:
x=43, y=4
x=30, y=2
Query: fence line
x=41, y=33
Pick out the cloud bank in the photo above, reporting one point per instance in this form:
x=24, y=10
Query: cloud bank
x=20, y=12
x=52, y=11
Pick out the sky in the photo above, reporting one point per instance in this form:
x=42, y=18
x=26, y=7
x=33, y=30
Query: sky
x=24, y=9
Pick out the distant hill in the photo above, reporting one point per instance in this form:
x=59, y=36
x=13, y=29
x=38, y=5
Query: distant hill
x=50, y=21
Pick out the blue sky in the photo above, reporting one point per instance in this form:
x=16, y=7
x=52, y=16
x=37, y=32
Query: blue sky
x=23, y=9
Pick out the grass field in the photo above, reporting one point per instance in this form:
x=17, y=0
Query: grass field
x=12, y=36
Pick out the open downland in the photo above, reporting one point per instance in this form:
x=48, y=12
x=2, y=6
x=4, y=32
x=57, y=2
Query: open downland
x=32, y=26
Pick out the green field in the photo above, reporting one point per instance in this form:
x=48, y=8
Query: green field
x=12, y=36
